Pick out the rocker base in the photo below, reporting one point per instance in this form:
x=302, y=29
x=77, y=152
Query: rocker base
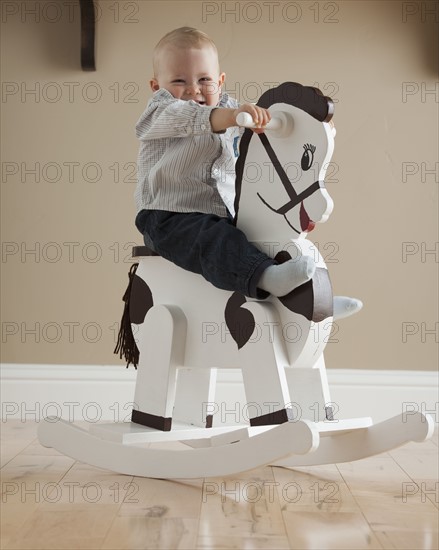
x=362, y=443
x=226, y=459
x=234, y=450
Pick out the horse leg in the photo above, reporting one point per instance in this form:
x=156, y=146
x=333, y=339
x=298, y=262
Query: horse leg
x=309, y=391
x=194, y=402
x=161, y=343
x=263, y=359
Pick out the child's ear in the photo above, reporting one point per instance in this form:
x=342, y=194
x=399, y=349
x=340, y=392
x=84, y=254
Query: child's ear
x=154, y=84
x=222, y=77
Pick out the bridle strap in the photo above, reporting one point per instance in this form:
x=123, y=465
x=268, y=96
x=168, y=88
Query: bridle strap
x=295, y=198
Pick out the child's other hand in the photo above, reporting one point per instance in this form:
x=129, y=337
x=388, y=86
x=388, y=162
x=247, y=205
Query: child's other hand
x=259, y=115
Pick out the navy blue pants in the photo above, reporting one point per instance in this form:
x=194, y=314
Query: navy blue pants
x=206, y=244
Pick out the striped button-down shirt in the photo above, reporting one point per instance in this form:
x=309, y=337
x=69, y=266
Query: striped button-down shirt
x=183, y=166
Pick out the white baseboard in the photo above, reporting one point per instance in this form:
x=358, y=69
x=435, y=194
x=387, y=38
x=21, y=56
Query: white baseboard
x=99, y=392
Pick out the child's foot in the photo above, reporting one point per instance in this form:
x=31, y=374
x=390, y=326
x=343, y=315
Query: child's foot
x=281, y=279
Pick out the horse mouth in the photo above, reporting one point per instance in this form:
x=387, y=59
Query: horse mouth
x=306, y=223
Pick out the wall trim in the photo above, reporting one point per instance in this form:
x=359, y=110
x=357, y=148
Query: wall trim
x=105, y=392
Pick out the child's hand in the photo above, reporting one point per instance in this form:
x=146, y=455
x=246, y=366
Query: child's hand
x=259, y=115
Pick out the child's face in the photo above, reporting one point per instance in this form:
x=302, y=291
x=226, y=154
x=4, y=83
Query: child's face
x=189, y=74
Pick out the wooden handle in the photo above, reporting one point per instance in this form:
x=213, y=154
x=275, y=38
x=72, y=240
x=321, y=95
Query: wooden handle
x=246, y=121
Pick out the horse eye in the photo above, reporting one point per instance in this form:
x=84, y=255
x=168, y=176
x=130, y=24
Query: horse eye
x=307, y=157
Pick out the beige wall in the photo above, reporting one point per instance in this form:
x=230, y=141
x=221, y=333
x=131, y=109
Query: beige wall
x=60, y=303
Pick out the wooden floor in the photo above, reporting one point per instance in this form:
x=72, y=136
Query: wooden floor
x=51, y=501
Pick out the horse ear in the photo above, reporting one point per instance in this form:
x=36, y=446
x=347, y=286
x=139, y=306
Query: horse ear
x=330, y=104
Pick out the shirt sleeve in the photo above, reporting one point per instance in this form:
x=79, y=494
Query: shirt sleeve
x=167, y=117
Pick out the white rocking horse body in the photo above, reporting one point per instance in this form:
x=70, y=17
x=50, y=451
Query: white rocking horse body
x=185, y=329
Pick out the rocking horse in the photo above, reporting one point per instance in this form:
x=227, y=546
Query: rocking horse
x=185, y=329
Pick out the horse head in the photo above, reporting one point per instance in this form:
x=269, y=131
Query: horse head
x=282, y=195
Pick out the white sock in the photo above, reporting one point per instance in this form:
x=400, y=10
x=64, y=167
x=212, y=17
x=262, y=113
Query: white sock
x=283, y=278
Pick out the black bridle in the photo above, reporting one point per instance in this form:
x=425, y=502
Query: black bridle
x=295, y=198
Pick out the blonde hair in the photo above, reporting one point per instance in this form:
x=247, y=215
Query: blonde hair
x=182, y=38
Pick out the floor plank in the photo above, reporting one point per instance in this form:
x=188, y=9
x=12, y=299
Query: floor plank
x=320, y=511
x=383, y=491
x=243, y=508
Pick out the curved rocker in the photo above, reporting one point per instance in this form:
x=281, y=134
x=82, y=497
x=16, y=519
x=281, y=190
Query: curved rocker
x=225, y=459
x=288, y=445
x=179, y=330
x=362, y=443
